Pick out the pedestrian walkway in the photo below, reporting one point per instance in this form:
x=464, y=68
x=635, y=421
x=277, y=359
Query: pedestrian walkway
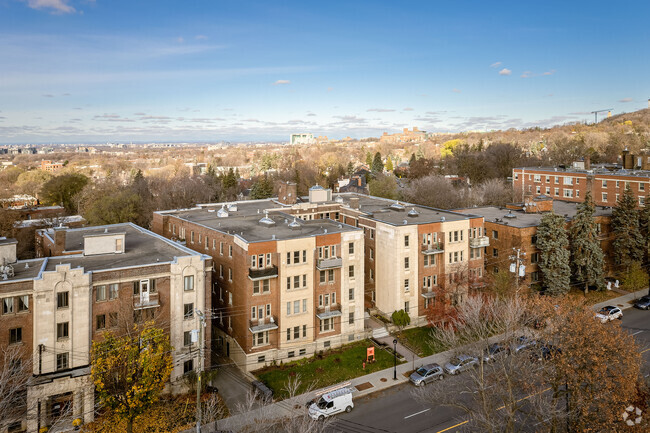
x=380, y=334
x=364, y=385
x=234, y=386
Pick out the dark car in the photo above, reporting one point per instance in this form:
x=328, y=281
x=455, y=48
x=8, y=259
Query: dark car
x=426, y=374
x=262, y=391
x=643, y=303
x=545, y=352
x=495, y=351
x=523, y=343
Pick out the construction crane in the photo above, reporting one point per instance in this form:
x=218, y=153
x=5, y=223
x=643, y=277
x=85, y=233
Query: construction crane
x=595, y=113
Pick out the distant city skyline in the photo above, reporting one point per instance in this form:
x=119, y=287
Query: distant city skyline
x=80, y=71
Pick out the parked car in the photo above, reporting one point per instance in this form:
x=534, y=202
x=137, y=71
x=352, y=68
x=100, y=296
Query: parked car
x=262, y=391
x=495, y=351
x=460, y=363
x=609, y=313
x=427, y=373
x=545, y=352
x=333, y=402
x=643, y=303
x=523, y=343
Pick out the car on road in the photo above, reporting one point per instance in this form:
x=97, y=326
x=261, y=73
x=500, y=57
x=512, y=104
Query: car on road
x=495, y=351
x=609, y=313
x=523, y=343
x=460, y=363
x=545, y=352
x=427, y=373
x=262, y=391
x=330, y=403
x=643, y=303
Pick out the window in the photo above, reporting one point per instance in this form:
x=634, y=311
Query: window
x=351, y=294
x=62, y=299
x=15, y=335
x=261, y=358
x=351, y=248
x=534, y=276
x=188, y=366
x=495, y=234
x=291, y=354
x=304, y=280
x=641, y=186
x=220, y=271
x=61, y=361
x=330, y=275
x=351, y=318
x=304, y=334
x=371, y=274
x=326, y=325
x=406, y=263
x=371, y=253
x=534, y=258
x=261, y=338
x=495, y=252
x=406, y=285
x=23, y=303
x=406, y=240
x=296, y=332
x=372, y=233
x=604, y=196
x=288, y=308
x=322, y=278
x=229, y=274
x=302, y=352
x=642, y=201
x=537, y=178
x=557, y=192
x=296, y=256
x=229, y=250
x=350, y=271
x=604, y=184
x=192, y=236
x=214, y=244
x=100, y=293
x=548, y=190
x=62, y=330
x=188, y=283
x=188, y=310
x=187, y=338
x=113, y=290
x=268, y=259
x=568, y=193
x=296, y=307
x=568, y=180
x=100, y=321
x=538, y=189
x=221, y=248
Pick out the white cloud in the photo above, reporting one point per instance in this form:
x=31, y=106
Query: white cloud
x=526, y=74
x=200, y=37
x=408, y=109
x=624, y=100
x=495, y=65
x=455, y=90
x=381, y=110
x=551, y=72
x=280, y=82
x=55, y=6
x=505, y=71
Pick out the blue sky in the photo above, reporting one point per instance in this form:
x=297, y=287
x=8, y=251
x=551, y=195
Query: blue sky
x=112, y=70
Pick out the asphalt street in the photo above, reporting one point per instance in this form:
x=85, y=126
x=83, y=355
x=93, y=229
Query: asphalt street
x=397, y=410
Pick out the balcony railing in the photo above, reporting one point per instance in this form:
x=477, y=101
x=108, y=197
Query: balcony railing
x=263, y=274
x=145, y=300
x=428, y=293
x=479, y=242
x=433, y=248
x=333, y=310
x=266, y=324
x=332, y=262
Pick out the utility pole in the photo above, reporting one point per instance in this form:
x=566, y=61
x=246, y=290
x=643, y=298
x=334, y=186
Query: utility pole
x=517, y=267
x=199, y=370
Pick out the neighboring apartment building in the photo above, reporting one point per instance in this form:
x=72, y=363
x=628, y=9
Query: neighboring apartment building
x=279, y=263
x=515, y=227
x=51, y=166
x=84, y=282
x=571, y=184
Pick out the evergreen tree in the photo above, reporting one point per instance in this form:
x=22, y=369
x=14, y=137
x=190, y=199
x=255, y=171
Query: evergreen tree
x=389, y=164
x=377, y=164
x=628, y=241
x=412, y=160
x=262, y=188
x=350, y=169
x=369, y=159
x=553, y=243
x=644, y=223
x=229, y=180
x=586, y=255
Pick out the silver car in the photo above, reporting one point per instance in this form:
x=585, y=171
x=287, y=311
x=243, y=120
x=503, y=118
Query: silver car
x=425, y=374
x=460, y=363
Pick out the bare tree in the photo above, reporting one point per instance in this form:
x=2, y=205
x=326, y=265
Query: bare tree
x=15, y=372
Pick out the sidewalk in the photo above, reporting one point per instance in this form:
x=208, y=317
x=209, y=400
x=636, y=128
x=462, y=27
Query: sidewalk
x=367, y=384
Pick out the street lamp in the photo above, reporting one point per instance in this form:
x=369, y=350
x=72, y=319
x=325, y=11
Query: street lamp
x=395, y=359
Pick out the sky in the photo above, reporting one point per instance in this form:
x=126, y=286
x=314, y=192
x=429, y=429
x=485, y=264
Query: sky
x=93, y=71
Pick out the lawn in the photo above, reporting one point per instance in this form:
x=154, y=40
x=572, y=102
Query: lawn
x=593, y=297
x=334, y=366
x=420, y=340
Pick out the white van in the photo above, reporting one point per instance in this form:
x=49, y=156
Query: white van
x=333, y=402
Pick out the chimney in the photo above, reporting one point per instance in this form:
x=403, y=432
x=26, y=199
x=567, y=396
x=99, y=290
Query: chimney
x=287, y=193
x=59, y=241
x=587, y=162
x=354, y=202
x=627, y=159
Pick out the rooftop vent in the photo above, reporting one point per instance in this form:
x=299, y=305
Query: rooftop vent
x=397, y=206
x=211, y=210
x=405, y=222
x=294, y=224
x=339, y=199
x=442, y=219
x=510, y=215
x=413, y=213
x=266, y=220
x=222, y=213
x=232, y=207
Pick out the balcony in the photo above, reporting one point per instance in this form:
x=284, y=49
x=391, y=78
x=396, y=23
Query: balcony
x=328, y=311
x=480, y=242
x=331, y=263
x=145, y=300
x=266, y=324
x=263, y=274
x=428, y=293
x=433, y=248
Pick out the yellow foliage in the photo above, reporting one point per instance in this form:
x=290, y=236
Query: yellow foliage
x=449, y=146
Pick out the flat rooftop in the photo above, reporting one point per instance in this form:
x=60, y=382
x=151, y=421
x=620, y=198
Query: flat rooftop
x=521, y=219
x=594, y=170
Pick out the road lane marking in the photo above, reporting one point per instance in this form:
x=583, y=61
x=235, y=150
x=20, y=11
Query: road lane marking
x=644, y=351
x=453, y=426
x=417, y=413
x=529, y=396
x=637, y=332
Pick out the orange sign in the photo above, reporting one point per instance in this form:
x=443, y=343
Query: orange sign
x=370, y=356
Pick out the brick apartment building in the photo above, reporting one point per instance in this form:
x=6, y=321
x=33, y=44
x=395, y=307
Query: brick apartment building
x=571, y=184
x=515, y=227
x=85, y=281
x=293, y=275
